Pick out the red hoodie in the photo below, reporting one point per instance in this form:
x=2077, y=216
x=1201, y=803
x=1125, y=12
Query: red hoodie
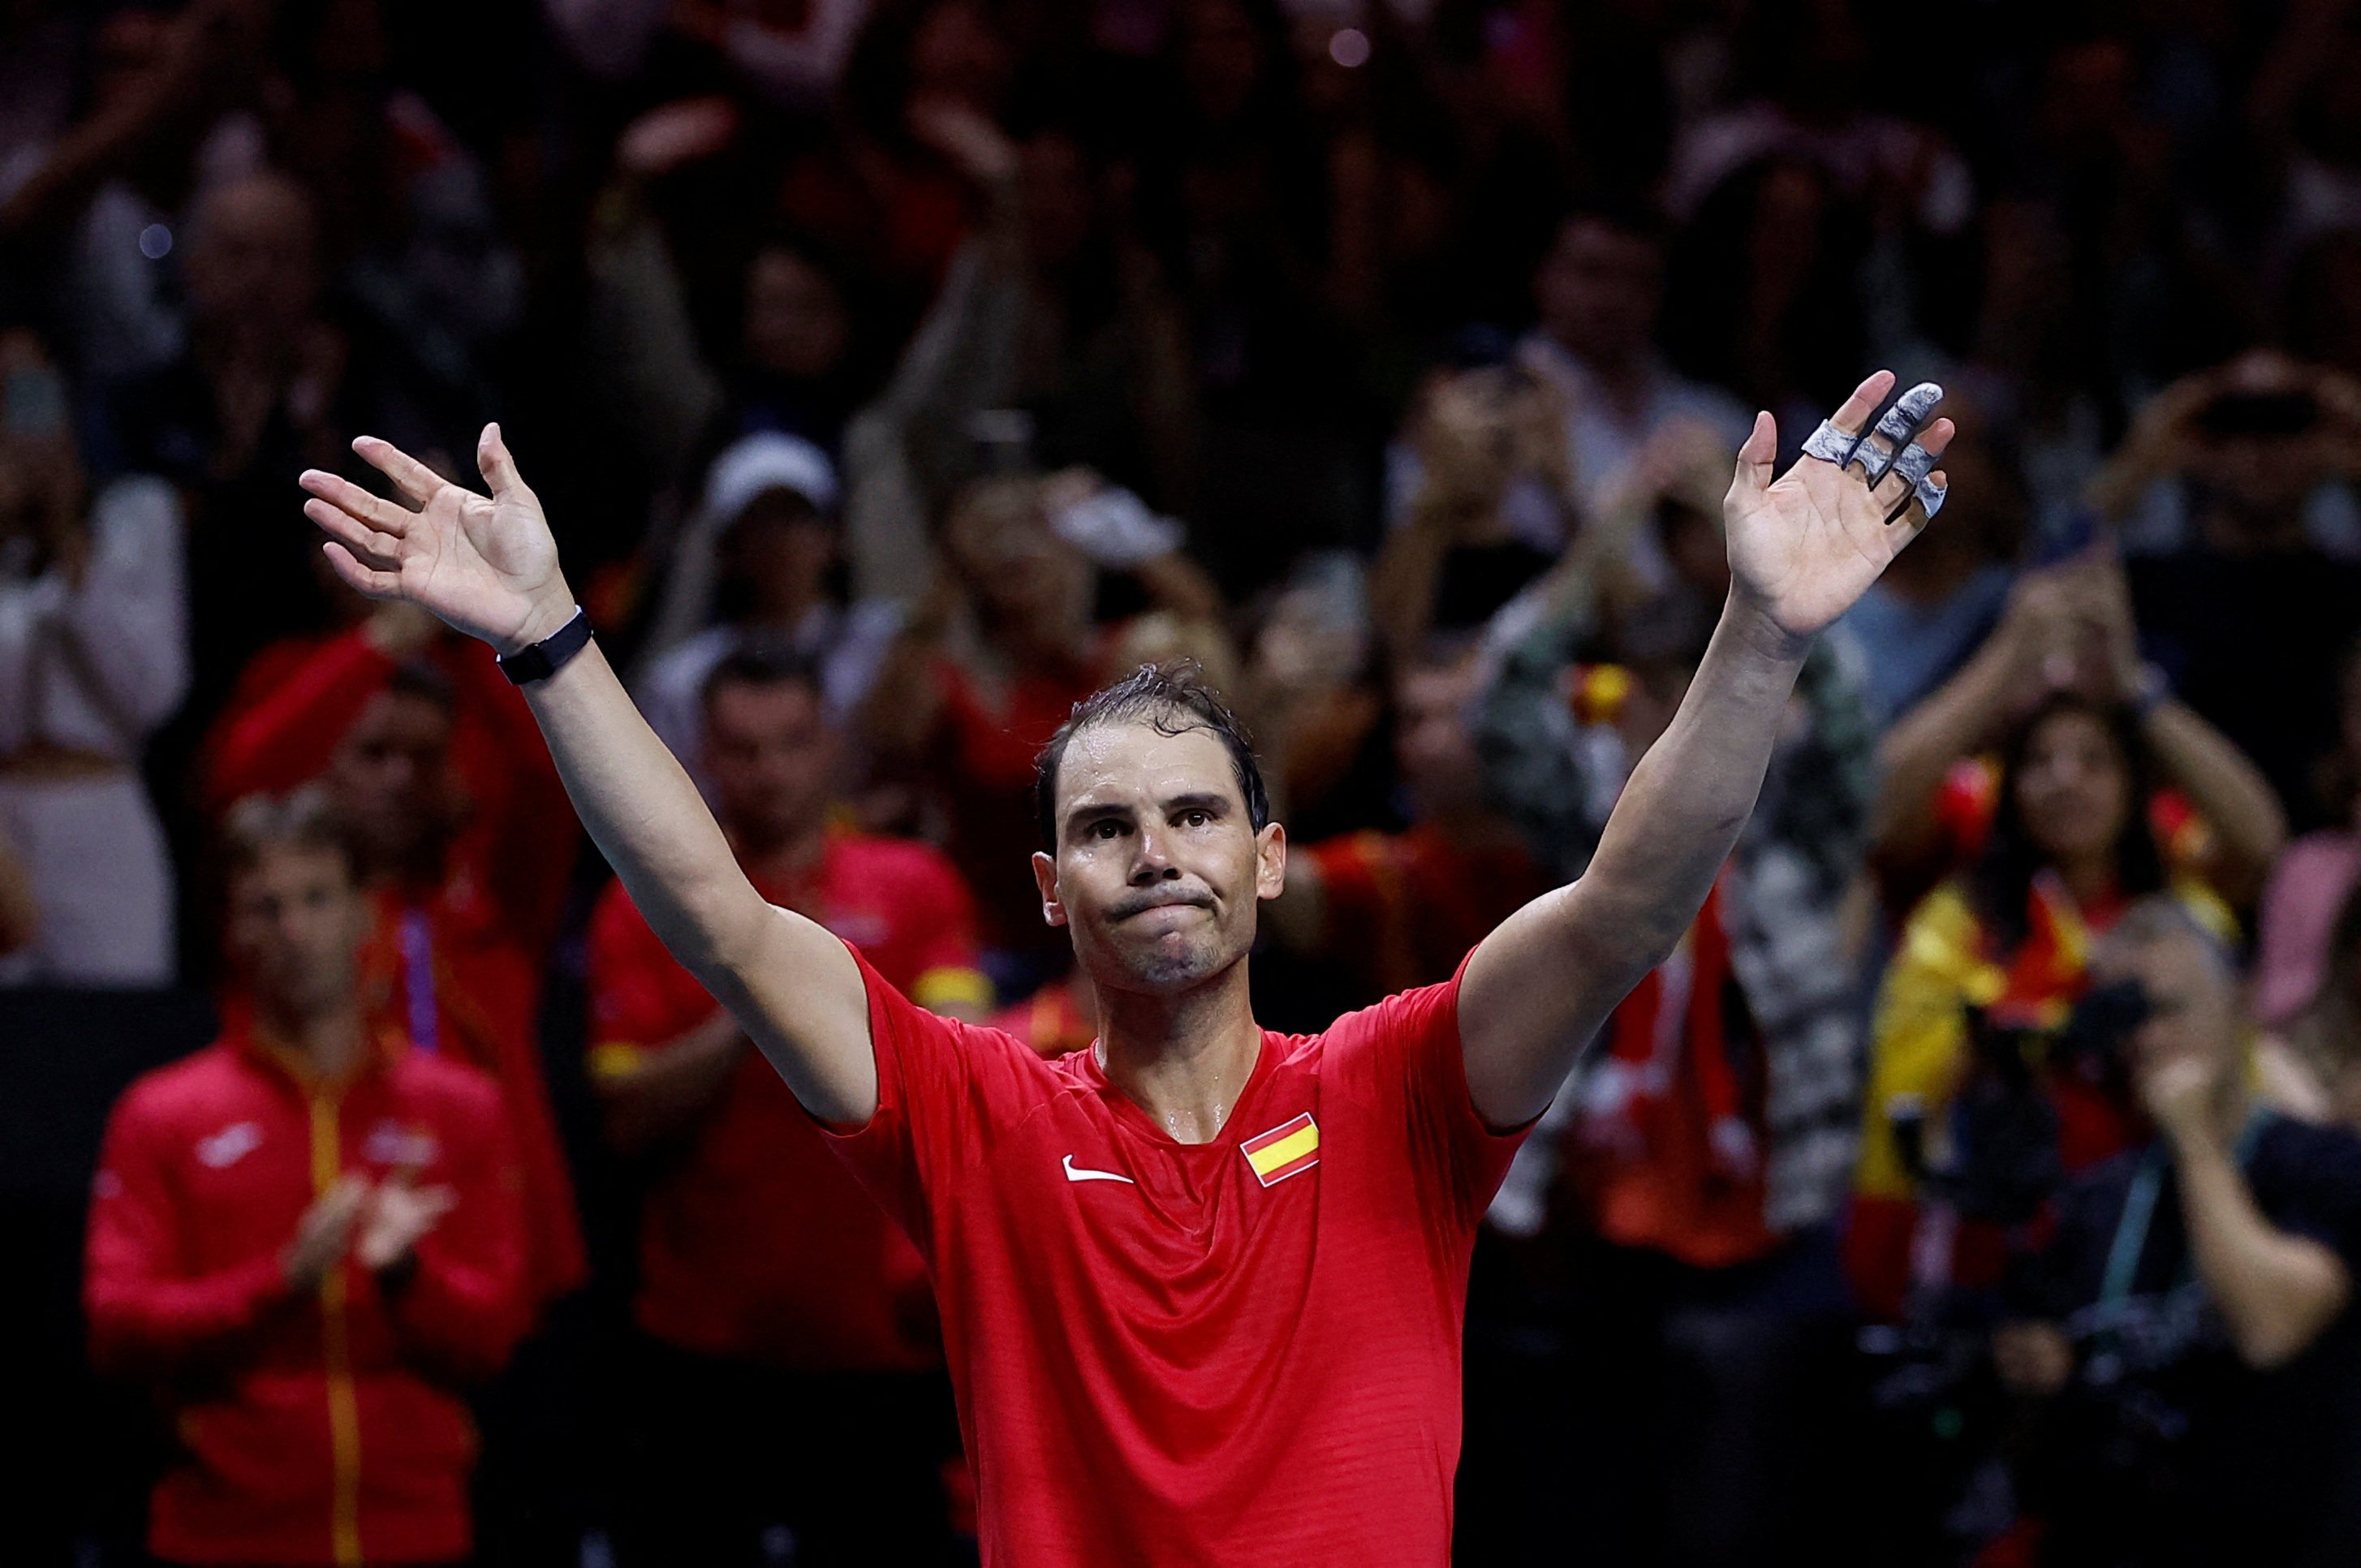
x=318, y=1427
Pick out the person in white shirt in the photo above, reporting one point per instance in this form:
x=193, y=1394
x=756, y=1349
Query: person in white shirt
x=755, y=567
x=94, y=656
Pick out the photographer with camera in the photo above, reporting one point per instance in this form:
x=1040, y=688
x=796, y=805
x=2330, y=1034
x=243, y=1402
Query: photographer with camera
x=2186, y=1339
x=2248, y=616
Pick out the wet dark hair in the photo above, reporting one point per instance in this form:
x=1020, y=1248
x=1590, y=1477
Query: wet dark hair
x=759, y=663
x=2004, y=876
x=1171, y=699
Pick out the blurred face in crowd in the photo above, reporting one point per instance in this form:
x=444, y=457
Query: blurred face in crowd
x=771, y=758
x=796, y=319
x=1159, y=868
x=2259, y=449
x=253, y=252
x=295, y=926
x=392, y=778
x=778, y=552
x=1431, y=745
x=2192, y=1002
x=1598, y=291
x=2073, y=787
x=1032, y=584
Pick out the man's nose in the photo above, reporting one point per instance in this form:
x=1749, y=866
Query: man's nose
x=1149, y=859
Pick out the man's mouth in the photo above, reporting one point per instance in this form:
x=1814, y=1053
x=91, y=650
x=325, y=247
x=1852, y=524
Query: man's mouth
x=1132, y=907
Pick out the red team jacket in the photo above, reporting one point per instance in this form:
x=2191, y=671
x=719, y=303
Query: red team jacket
x=459, y=967
x=755, y=1241
x=323, y=1427
x=1244, y=1350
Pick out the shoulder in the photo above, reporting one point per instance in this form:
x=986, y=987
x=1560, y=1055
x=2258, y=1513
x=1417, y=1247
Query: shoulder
x=198, y=1083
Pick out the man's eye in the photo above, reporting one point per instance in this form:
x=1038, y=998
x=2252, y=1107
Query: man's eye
x=1195, y=819
x=1105, y=829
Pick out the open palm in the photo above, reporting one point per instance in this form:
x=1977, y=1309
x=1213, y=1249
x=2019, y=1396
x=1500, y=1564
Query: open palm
x=1804, y=546
x=485, y=564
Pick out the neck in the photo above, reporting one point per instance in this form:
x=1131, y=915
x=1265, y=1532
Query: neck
x=329, y=1042
x=794, y=851
x=1183, y=1060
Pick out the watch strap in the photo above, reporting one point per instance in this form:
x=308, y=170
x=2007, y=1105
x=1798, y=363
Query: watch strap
x=544, y=658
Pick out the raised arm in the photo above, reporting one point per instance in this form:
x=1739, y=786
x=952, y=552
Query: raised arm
x=1803, y=547
x=489, y=568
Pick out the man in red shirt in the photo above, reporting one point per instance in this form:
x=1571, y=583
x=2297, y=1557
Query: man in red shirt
x=793, y=1370
x=1398, y=910
x=306, y=1235
x=1200, y=1285
x=453, y=959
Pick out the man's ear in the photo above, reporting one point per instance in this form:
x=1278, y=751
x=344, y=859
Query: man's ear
x=1270, y=860
x=1045, y=877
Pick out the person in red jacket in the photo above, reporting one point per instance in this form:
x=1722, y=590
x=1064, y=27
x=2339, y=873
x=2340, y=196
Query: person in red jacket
x=456, y=840
x=793, y=1370
x=307, y=1237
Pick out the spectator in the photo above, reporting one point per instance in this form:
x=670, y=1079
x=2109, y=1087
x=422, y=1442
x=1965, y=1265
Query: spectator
x=2248, y=617
x=759, y=564
x=1398, y=910
x=94, y=656
x=1668, y=1231
x=2293, y=945
x=793, y=365
x=1485, y=439
x=2188, y=1333
x=791, y=1374
x=1598, y=292
x=403, y=725
x=2066, y=630
x=2074, y=836
x=306, y=1237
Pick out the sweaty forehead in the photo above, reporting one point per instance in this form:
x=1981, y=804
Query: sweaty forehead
x=1129, y=764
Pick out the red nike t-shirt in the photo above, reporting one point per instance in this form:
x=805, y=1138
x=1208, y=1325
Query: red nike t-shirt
x=1241, y=1350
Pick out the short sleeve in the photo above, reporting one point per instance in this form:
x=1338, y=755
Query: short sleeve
x=942, y=1088
x=1458, y=1157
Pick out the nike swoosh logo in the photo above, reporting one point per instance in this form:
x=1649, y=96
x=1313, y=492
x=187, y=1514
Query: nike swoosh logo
x=1083, y=1173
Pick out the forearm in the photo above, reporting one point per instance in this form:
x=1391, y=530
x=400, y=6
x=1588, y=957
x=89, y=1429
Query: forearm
x=1539, y=987
x=2234, y=799
x=646, y=817
x=2275, y=1292
x=1679, y=816
x=159, y=1327
x=664, y=1091
x=1957, y=720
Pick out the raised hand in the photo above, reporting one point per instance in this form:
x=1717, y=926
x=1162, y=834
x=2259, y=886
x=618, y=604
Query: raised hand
x=1805, y=545
x=486, y=565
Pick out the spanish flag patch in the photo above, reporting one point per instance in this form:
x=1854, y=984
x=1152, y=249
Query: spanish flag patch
x=1289, y=1149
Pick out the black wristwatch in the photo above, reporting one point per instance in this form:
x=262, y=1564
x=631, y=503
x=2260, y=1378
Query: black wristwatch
x=542, y=660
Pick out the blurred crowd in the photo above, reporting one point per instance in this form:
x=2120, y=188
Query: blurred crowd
x=1979, y=1183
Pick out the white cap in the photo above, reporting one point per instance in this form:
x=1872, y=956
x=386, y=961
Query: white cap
x=767, y=461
